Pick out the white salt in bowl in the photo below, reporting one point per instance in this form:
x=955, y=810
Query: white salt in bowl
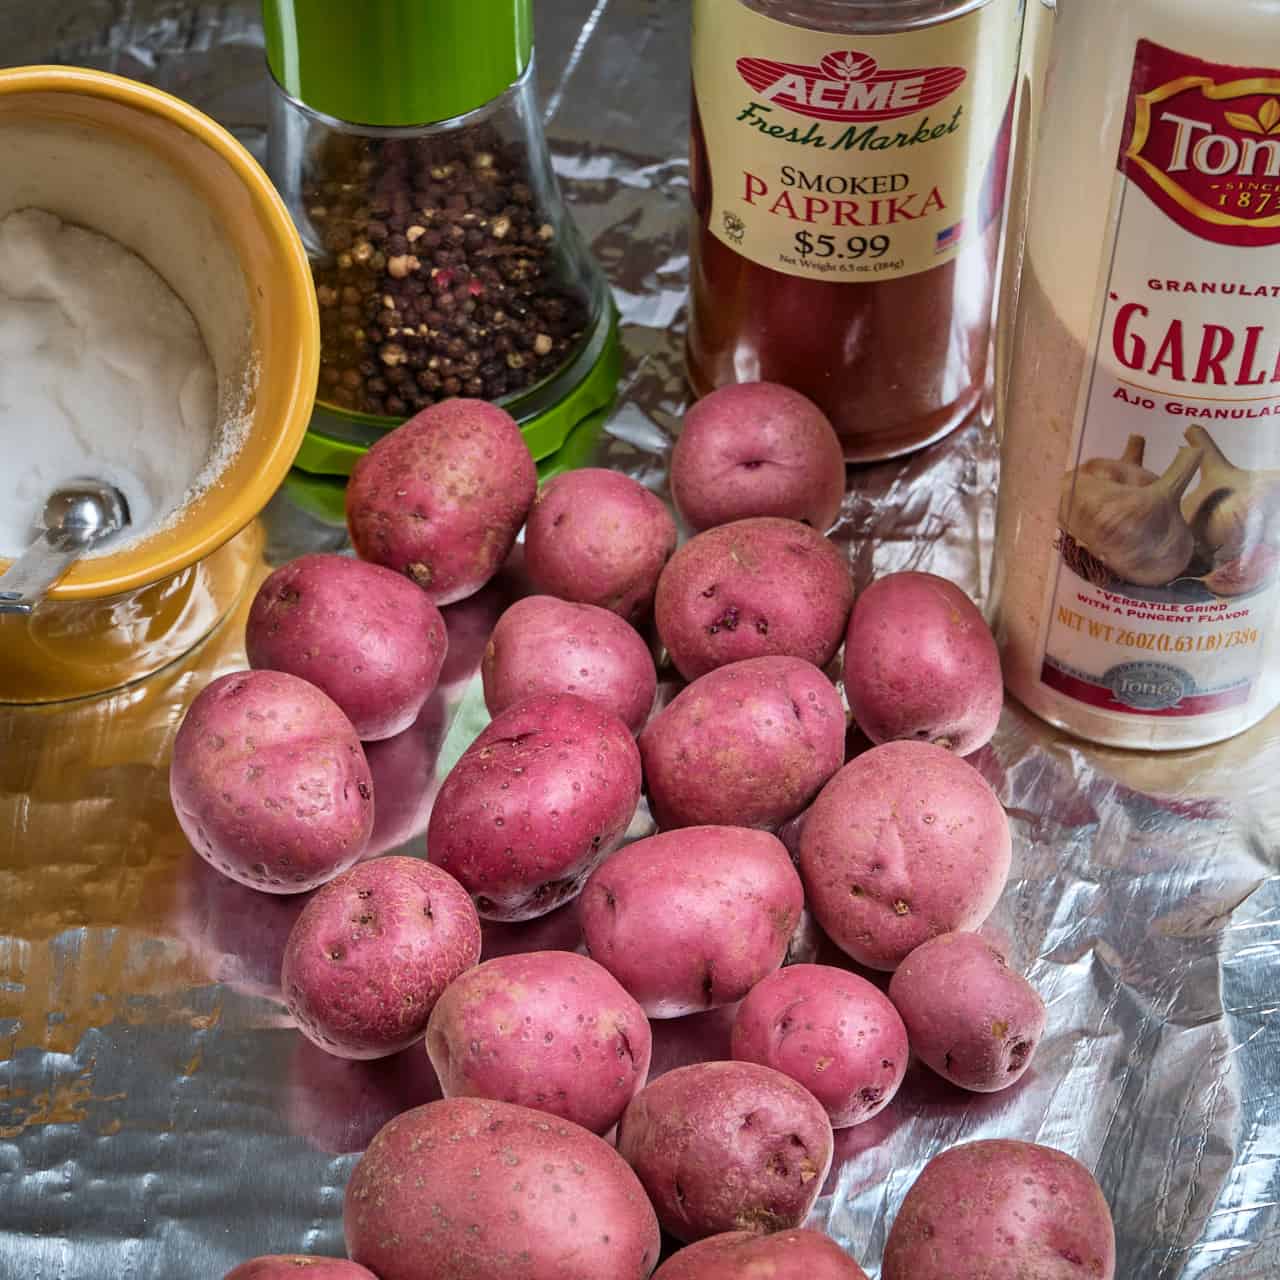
x=165, y=181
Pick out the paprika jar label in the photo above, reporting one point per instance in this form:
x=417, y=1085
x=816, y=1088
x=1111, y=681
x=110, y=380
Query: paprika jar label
x=1168, y=552
x=853, y=157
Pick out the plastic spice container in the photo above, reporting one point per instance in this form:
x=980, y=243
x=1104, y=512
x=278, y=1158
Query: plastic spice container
x=849, y=164
x=1138, y=559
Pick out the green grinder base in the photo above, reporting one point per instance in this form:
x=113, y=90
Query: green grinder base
x=560, y=438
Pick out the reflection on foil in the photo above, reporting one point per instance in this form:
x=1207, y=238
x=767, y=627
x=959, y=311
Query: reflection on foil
x=158, y=1114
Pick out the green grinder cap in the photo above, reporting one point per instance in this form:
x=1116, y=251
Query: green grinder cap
x=397, y=62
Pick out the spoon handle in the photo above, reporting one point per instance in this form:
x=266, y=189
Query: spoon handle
x=24, y=583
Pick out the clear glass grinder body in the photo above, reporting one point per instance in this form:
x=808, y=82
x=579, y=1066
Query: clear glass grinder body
x=445, y=262
x=848, y=176
x=1138, y=557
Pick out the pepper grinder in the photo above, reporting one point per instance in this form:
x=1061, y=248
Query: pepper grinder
x=406, y=141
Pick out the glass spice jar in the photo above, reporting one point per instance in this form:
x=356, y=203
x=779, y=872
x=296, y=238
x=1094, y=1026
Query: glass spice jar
x=849, y=161
x=444, y=260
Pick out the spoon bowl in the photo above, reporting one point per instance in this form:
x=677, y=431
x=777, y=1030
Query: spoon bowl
x=78, y=517
x=88, y=509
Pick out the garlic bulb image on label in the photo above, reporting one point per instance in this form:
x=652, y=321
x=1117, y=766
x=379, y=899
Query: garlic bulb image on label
x=1234, y=515
x=1128, y=520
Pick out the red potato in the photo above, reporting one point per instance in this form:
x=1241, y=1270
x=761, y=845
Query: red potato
x=442, y=497
x=540, y=798
x=739, y=1255
x=474, y=1190
x=749, y=744
x=753, y=589
x=269, y=782
x=905, y=843
x=366, y=636
x=598, y=537
x=757, y=449
x=373, y=951
x=830, y=1031
x=1002, y=1210
x=545, y=645
x=921, y=663
x=549, y=1030
x=692, y=919
x=970, y=1018
x=727, y=1146
x=292, y=1266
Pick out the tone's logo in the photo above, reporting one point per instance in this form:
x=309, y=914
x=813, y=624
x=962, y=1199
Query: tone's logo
x=848, y=86
x=1204, y=144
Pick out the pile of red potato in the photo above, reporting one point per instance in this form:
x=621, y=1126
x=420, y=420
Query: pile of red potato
x=900, y=854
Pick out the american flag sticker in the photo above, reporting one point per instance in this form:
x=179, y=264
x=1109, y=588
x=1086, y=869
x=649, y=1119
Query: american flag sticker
x=951, y=236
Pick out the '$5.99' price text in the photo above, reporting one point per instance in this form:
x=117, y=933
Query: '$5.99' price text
x=851, y=247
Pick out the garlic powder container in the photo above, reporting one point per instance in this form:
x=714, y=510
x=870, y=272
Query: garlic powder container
x=1138, y=559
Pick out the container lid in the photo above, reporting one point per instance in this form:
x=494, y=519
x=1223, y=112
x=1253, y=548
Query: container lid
x=397, y=62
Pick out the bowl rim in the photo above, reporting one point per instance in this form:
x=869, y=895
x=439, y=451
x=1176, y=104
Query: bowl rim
x=94, y=579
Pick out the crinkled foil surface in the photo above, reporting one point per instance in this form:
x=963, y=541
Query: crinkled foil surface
x=160, y=1117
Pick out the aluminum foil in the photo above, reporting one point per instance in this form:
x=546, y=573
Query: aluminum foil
x=160, y=1117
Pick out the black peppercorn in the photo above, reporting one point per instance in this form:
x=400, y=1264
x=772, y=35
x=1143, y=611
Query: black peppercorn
x=441, y=271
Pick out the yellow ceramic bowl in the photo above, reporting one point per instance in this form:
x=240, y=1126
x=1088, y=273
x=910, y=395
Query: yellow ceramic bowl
x=163, y=179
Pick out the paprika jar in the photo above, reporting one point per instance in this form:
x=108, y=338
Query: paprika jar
x=848, y=169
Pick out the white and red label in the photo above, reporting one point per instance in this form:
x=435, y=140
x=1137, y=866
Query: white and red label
x=853, y=158
x=1187, y=358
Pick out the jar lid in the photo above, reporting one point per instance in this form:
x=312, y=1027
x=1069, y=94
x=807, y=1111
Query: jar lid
x=397, y=63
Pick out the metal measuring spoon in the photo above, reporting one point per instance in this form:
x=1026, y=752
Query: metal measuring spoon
x=76, y=519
